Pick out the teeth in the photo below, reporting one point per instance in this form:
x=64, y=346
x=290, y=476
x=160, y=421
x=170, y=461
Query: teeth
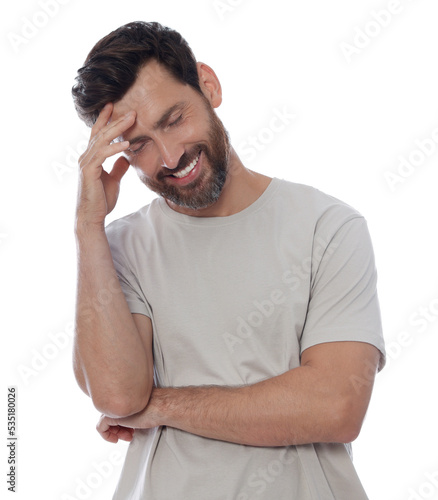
x=187, y=170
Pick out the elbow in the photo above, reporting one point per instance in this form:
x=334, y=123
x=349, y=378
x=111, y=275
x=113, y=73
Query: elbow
x=347, y=423
x=347, y=433
x=119, y=406
x=79, y=376
x=116, y=402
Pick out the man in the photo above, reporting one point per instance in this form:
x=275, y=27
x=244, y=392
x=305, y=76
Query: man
x=252, y=299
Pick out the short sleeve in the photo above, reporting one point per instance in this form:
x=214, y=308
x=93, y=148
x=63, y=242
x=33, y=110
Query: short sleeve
x=343, y=304
x=132, y=291
x=129, y=281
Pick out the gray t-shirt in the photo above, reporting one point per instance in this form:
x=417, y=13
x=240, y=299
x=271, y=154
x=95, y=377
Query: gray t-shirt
x=236, y=300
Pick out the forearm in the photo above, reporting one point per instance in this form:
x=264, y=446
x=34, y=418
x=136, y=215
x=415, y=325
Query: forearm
x=322, y=401
x=109, y=357
x=297, y=407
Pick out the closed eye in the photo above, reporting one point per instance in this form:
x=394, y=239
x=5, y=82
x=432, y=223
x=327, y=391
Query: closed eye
x=176, y=122
x=144, y=143
x=138, y=149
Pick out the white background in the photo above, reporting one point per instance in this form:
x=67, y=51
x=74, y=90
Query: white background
x=354, y=117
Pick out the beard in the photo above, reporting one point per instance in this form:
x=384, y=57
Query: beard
x=207, y=187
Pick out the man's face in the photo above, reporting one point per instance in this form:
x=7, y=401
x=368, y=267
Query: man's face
x=179, y=146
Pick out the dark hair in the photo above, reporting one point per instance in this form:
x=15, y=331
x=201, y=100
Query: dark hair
x=113, y=64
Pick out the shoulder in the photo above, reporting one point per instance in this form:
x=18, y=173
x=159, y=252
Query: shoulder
x=128, y=232
x=131, y=222
x=314, y=207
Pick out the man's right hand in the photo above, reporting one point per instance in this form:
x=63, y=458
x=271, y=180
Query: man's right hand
x=98, y=190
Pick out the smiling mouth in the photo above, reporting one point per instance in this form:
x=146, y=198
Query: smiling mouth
x=184, y=173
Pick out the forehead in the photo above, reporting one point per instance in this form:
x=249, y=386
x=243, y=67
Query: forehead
x=154, y=89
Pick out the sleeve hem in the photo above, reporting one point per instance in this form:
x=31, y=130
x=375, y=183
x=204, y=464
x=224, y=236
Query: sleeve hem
x=365, y=337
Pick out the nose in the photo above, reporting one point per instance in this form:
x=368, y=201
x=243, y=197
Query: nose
x=170, y=152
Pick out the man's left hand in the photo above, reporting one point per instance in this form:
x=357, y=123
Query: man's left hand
x=113, y=429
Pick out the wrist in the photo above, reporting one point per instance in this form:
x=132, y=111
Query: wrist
x=84, y=228
x=164, y=401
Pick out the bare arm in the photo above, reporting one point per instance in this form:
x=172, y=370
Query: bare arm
x=320, y=401
x=112, y=348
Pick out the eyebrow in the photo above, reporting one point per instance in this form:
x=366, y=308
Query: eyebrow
x=160, y=122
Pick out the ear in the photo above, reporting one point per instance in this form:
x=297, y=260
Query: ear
x=210, y=84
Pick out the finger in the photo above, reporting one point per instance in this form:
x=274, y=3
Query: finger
x=103, y=118
x=105, y=423
x=96, y=155
x=91, y=163
x=125, y=433
x=110, y=133
x=116, y=432
x=109, y=436
x=111, y=431
x=102, y=424
x=109, y=137
x=119, y=169
x=105, y=125
x=106, y=430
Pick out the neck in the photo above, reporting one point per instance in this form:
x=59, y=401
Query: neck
x=242, y=188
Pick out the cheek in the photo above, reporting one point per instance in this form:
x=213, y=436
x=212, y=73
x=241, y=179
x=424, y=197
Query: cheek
x=147, y=160
x=142, y=171
x=144, y=178
x=146, y=167
x=192, y=131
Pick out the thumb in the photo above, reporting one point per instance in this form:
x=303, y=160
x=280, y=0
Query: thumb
x=119, y=169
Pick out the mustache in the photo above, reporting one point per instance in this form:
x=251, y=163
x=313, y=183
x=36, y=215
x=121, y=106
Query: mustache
x=184, y=161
